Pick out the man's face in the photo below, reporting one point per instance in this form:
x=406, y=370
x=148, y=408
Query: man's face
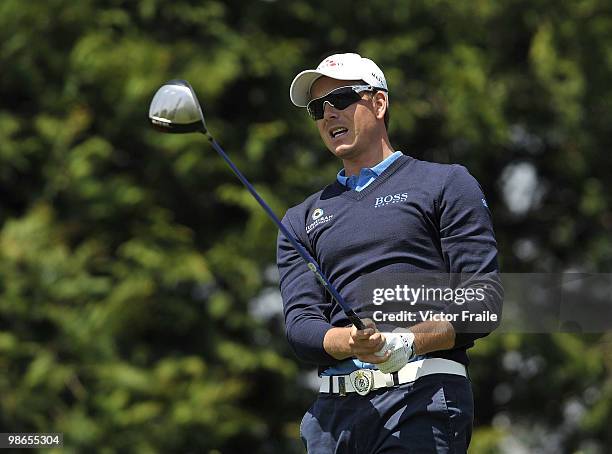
x=358, y=119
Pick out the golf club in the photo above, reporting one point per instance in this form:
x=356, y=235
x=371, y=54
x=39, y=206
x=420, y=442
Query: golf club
x=175, y=109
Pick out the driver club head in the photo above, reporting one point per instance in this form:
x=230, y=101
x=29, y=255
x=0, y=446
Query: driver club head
x=175, y=109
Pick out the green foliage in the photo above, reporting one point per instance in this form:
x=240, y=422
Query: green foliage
x=130, y=261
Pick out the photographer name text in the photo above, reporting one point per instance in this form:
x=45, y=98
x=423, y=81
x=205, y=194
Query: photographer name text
x=433, y=316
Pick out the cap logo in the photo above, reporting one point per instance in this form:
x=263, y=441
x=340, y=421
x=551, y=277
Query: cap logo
x=329, y=62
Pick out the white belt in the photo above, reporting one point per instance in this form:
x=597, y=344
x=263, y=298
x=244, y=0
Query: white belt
x=362, y=381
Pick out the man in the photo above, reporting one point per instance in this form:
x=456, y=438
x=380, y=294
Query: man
x=397, y=390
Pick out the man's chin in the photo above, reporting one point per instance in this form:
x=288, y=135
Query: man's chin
x=342, y=151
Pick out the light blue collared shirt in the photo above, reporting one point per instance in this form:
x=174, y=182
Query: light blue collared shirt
x=366, y=175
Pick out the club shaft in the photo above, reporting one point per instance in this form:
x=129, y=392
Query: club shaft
x=310, y=262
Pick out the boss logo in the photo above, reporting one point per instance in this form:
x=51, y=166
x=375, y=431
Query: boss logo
x=390, y=199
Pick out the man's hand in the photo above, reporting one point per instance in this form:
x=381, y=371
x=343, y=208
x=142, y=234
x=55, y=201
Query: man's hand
x=399, y=349
x=365, y=344
x=342, y=343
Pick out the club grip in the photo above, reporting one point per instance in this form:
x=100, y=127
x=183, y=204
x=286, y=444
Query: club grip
x=355, y=320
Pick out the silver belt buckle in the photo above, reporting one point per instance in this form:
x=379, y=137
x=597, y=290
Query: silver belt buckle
x=362, y=380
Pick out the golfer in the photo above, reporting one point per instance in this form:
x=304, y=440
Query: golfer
x=382, y=389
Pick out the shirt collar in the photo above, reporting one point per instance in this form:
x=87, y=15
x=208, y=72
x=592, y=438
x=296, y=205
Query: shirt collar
x=367, y=171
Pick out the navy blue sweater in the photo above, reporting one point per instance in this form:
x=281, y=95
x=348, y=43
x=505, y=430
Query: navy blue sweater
x=416, y=217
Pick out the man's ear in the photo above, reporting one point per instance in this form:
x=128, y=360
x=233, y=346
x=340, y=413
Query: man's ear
x=380, y=104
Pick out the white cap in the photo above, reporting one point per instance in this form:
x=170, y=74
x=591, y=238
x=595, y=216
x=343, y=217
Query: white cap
x=338, y=66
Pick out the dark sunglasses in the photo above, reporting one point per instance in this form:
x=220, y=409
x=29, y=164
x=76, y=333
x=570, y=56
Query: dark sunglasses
x=340, y=98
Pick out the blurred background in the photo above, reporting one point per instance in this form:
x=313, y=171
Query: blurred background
x=139, y=303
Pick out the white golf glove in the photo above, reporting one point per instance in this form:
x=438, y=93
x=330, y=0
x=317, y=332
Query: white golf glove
x=401, y=346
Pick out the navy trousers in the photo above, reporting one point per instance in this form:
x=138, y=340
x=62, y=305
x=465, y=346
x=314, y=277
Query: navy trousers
x=434, y=414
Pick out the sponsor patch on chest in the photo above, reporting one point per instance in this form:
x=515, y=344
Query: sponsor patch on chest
x=319, y=217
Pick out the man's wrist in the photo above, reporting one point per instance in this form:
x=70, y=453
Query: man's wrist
x=336, y=342
x=433, y=336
